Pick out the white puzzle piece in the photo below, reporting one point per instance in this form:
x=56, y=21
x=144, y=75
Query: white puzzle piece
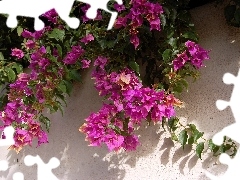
x=231, y=131
x=8, y=140
x=8, y=133
x=44, y=170
x=35, y=8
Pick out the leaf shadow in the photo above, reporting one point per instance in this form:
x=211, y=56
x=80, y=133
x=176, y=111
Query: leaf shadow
x=167, y=146
x=180, y=152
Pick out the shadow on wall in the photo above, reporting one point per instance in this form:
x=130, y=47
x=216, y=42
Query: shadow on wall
x=80, y=162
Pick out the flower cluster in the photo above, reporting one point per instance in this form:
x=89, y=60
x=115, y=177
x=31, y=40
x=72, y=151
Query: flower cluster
x=194, y=54
x=52, y=16
x=55, y=65
x=77, y=51
x=131, y=103
x=21, y=116
x=32, y=92
x=17, y=53
x=141, y=10
x=73, y=55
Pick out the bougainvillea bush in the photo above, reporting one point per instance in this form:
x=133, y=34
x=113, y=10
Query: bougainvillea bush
x=139, y=67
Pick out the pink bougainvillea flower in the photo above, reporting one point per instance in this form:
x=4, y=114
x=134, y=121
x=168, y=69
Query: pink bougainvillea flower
x=73, y=55
x=88, y=38
x=42, y=138
x=118, y=7
x=180, y=61
x=30, y=44
x=27, y=34
x=51, y=15
x=130, y=143
x=155, y=24
x=17, y=53
x=120, y=22
x=100, y=61
x=85, y=63
x=192, y=47
x=135, y=41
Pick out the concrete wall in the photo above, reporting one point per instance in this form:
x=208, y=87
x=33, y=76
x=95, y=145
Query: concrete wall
x=156, y=158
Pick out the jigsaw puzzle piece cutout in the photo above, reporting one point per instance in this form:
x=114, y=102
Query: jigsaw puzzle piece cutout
x=3, y=165
x=26, y=8
x=63, y=8
x=8, y=133
x=95, y=5
x=44, y=170
x=18, y=176
x=35, y=8
x=232, y=130
x=228, y=79
x=232, y=172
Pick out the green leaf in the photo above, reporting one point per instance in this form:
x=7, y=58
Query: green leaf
x=178, y=88
x=57, y=34
x=174, y=137
x=69, y=87
x=45, y=121
x=197, y=135
x=62, y=87
x=62, y=98
x=190, y=35
x=182, y=137
x=1, y=56
x=110, y=44
x=19, y=30
x=75, y=75
x=227, y=147
x=184, y=83
x=215, y=150
x=134, y=66
x=222, y=148
x=102, y=43
x=163, y=20
x=199, y=149
x=11, y=74
x=173, y=15
x=172, y=123
x=3, y=101
x=173, y=42
x=59, y=48
x=166, y=55
x=18, y=67
x=192, y=127
x=191, y=140
x=48, y=49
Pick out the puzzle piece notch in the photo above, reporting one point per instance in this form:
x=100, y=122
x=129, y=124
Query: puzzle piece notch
x=8, y=133
x=18, y=176
x=3, y=165
x=232, y=172
x=6, y=140
x=44, y=170
x=33, y=9
x=36, y=8
x=95, y=5
x=230, y=131
x=235, y=98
